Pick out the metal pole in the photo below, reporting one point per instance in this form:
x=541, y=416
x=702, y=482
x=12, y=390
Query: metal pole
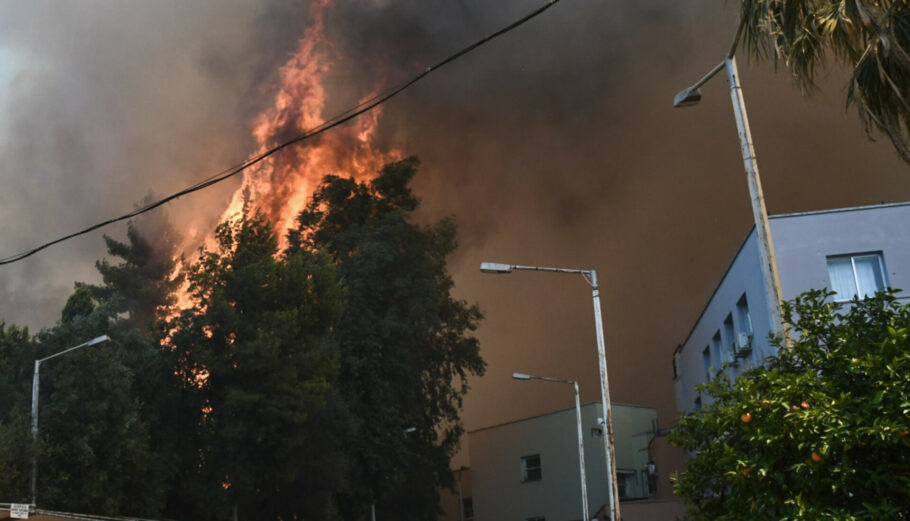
x=35, y=383
x=605, y=399
x=581, y=456
x=760, y=213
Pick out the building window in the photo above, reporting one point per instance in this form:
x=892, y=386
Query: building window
x=742, y=313
x=717, y=346
x=530, y=468
x=730, y=337
x=706, y=358
x=467, y=508
x=628, y=484
x=856, y=275
x=676, y=359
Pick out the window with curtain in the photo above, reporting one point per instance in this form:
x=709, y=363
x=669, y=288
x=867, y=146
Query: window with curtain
x=856, y=275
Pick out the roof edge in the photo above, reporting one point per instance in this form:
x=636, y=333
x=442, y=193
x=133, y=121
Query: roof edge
x=749, y=235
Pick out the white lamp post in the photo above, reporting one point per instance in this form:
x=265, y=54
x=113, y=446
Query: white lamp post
x=691, y=96
x=36, y=382
x=581, y=441
x=590, y=277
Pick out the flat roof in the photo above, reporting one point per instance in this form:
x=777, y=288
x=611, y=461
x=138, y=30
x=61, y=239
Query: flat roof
x=529, y=418
x=742, y=245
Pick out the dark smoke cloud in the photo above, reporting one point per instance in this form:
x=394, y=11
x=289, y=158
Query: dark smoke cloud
x=555, y=145
x=104, y=102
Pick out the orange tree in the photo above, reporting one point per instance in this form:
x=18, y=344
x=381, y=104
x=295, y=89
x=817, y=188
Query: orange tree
x=822, y=431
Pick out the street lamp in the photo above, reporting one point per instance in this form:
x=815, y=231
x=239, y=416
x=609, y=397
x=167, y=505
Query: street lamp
x=581, y=441
x=691, y=96
x=36, y=381
x=590, y=277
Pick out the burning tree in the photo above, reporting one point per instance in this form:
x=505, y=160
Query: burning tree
x=256, y=362
x=316, y=396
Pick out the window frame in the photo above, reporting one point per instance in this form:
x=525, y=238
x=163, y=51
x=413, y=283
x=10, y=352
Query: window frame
x=744, y=315
x=853, y=256
x=527, y=474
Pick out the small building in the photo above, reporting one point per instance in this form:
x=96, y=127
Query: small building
x=528, y=469
x=851, y=251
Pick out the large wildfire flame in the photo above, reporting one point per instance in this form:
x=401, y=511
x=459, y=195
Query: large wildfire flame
x=281, y=185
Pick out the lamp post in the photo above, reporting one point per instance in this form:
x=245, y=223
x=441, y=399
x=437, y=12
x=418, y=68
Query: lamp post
x=691, y=96
x=581, y=441
x=36, y=382
x=590, y=277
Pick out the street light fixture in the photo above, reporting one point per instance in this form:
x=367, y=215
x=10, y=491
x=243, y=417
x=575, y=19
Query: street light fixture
x=36, y=382
x=691, y=96
x=590, y=277
x=581, y=441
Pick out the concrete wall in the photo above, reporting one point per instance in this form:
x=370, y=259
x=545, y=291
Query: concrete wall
x=802, y=243
x=806, y=240
x=743, y=277
x=496, y=452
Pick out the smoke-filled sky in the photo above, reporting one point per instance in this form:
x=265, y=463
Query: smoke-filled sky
x=556, y=145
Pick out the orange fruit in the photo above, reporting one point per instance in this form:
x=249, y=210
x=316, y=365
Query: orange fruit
x=765, y=404
x=746, y=472
x=816, y=457
x=903, y=432
x=804, y=405
x=794, y=408
x=746, y=417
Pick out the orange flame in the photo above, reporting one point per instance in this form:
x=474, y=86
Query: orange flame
x=281, y=185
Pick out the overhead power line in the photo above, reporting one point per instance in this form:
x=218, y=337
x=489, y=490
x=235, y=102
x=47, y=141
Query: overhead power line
x=341, y=118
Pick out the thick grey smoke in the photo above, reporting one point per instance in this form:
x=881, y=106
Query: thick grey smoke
x=555, y=145
x=106, y=102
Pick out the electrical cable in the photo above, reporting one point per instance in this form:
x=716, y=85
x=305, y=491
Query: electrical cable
x=338, y=119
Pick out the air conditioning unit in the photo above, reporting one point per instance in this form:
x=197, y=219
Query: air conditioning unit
x=743, y=344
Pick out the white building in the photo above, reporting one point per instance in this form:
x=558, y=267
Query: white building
x=528, y=470
x=852, y=251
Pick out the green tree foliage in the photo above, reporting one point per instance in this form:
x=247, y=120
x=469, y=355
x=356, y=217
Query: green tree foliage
x=94, y=454
x=139, y=281
x=16, y=363
x=304, y=384
x=405, y=343
x=143, y=282
x=821, y=432
x=257, y=362
x=870, y=37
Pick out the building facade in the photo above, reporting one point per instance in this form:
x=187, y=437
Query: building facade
x=528, y=470
x=851, y=251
